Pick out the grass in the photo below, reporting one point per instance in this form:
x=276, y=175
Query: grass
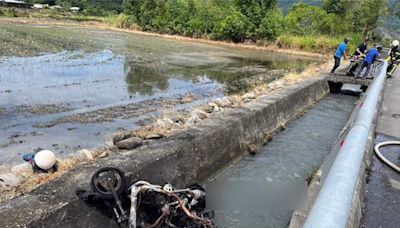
x=310, y=176
x=8, y=12
x=316, y=43
x=122, y=21
x=48, y=13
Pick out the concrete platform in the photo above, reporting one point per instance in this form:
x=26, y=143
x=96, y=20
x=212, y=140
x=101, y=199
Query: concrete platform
x=389, y=121
x=338, y=78
x=382, y=196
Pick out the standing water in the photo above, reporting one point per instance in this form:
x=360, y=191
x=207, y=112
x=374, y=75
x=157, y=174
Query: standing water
x=65, y=88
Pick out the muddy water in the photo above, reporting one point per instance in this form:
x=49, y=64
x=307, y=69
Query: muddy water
x=66, y=88
x=288, y=160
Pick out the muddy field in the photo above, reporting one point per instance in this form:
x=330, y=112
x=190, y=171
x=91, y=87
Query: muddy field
x=65, y=88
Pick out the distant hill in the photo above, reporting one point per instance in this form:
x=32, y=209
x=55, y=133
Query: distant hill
x=391, y=23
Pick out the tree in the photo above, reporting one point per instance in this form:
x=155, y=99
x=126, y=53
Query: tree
x=338, y=7
x=207, y=15
x=234, y=27
x=255, y=10
x=272, y=25
x=148, y=13
x=368, y=15
x=303, y=19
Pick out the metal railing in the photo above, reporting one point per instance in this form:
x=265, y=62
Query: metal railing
x=333, y=204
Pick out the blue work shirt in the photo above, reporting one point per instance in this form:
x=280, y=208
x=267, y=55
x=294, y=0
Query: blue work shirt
x=340, y=50
x=372, y=54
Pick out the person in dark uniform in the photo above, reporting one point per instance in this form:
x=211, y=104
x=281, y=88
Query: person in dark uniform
x=359, y=53
x=393, y=57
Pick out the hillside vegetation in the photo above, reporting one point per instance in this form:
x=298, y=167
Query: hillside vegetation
x=304, y=26
x=316, y=26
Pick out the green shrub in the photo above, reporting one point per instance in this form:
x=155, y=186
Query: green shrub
x=234, y=27
x=272, y=25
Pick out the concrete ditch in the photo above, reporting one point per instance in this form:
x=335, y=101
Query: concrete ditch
x=356, y=211
x=189, y=156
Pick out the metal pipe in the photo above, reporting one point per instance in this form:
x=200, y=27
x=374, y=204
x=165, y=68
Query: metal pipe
x=333, y=204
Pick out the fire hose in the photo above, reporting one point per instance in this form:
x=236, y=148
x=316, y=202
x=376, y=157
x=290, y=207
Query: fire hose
x=385, y=160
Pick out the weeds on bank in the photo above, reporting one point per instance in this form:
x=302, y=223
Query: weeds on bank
x=320, y=43
x=310, y=175
x=122, y=21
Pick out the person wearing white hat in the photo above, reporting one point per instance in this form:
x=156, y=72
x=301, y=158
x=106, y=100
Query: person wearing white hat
x=45, y=159
x=42, y=161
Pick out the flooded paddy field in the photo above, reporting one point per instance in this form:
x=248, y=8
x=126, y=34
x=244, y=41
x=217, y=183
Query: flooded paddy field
x=66, y=88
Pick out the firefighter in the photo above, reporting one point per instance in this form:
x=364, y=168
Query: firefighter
x=393, y=57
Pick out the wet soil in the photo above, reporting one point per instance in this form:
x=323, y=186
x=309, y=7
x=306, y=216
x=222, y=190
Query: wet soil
x=64, y=88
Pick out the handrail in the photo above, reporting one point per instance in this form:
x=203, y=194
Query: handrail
x=333, y=204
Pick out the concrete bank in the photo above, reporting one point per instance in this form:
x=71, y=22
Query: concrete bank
x=191, y=155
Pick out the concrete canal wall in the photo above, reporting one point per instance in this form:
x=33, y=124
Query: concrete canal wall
x=189, y=156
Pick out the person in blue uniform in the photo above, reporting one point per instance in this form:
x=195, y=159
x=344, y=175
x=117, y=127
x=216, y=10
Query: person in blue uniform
x=372, y=55
x=340, y=51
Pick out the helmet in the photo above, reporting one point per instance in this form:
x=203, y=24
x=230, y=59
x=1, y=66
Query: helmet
x=395, y=43
x=45, y=159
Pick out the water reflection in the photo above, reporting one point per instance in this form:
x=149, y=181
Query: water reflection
x=148, y=79
x=144, y=80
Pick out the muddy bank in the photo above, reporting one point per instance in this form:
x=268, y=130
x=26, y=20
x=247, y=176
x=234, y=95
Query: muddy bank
x=42, y=109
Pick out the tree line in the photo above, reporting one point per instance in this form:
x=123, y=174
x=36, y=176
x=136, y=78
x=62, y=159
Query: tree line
x=238, y=20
